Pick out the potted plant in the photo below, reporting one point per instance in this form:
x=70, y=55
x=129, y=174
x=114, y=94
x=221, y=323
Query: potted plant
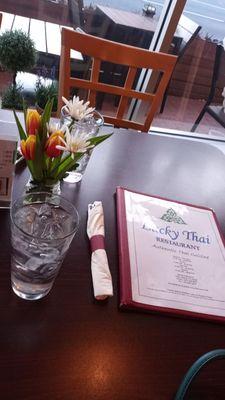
x=44, y=91
x=17, y=54
x=13, y=97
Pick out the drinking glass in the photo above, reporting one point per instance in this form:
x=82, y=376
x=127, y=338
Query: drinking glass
x=88, y=125
x=42, y=228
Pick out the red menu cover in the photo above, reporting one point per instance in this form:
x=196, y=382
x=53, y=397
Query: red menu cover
x=171, y=257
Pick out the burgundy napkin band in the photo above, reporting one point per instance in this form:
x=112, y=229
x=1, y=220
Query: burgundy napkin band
x=97, y=242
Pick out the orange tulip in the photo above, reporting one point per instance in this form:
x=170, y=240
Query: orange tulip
x=28, y=146
x=33, y=120
x=52, y=142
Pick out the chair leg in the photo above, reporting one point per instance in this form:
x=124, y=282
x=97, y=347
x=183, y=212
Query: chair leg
x=163, y=102
x=199, y=118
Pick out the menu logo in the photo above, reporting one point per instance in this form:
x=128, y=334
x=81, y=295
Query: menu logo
x=171, y=216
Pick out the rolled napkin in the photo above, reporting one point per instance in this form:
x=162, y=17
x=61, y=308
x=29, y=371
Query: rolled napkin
x=101, y=276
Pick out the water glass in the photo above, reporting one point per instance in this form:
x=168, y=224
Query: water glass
x=42, y=228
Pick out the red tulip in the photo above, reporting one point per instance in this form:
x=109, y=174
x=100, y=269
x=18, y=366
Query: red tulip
x=33, y=120
x=28, y=146
x=52, y=142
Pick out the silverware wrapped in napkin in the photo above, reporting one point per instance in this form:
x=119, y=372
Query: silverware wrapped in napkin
x=101, y=276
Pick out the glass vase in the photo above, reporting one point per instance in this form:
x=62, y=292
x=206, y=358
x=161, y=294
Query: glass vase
x=47, y=187
x=90, y=126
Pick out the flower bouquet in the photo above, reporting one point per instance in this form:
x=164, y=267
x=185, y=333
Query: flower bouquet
x=51, y=151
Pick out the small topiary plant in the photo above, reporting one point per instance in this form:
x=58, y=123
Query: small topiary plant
x=17, y=52
x=13, y=97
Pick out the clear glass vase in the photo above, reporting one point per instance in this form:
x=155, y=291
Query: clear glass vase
x=90, y=126
x=47, y=187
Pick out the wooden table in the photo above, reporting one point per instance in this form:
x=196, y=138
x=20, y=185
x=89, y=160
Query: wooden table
x=131, y=28
x=68, y=346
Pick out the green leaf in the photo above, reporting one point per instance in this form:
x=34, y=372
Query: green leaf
x=37, y=163
x=24, y=111
x=45, y=118
x=73, y=168
x=70, y=164
x=98, y=139
x=22, y=133
x=67, y=163
x=54, y=165
x=30, y=166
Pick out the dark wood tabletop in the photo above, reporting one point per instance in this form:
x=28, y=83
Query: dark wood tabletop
x=68, y=346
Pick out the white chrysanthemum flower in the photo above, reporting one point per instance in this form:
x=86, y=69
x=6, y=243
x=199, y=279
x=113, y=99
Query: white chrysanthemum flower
x=77, y=109
x=75, y=143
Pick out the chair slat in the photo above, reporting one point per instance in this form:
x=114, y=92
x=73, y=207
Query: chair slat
x=123, y=123
x=128, y=85
x=64, y=76
x=94, y=78
x=117, y=53
x=105, y=88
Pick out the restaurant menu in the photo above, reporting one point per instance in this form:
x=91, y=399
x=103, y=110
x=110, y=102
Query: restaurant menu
x=172, y=256
x=8, y=146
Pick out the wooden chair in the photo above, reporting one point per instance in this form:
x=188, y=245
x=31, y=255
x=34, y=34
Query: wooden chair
x=102, y=50
x=215, y=112
x=188, y=30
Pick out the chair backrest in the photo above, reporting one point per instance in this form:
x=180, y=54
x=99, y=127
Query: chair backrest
x=215, y=74
x=188, y=30
x=102, y=50
x=76, y=14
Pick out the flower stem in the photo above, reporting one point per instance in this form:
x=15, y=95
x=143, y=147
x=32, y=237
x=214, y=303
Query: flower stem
x=71, y=124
